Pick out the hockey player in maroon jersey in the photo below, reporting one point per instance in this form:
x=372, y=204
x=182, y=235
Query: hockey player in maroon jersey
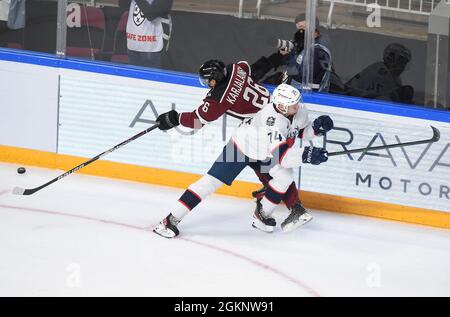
x=235, y=92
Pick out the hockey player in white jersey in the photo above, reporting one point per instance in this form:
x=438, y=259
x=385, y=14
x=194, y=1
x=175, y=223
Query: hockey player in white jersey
x=264, y=142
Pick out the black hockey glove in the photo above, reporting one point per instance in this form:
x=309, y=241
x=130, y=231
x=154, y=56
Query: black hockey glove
x=314, y=155
x=322, y=125
x=168, y=120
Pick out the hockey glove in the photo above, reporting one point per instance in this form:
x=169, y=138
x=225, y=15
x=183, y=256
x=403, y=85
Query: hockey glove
x=322, y=125
x=314, y=155
x=168, y=120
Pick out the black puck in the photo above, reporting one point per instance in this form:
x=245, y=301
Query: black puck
x=21, y=170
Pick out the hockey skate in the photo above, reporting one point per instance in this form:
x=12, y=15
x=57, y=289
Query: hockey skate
x=261, y=222
x=167, y=228
x=298, y=217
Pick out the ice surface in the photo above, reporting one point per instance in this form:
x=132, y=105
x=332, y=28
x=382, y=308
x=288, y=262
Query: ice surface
x=90, y=236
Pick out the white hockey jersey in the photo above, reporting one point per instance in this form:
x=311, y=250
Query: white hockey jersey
x=270, y=134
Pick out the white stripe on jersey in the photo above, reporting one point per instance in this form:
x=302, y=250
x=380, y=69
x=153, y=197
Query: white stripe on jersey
x=248, y=65
x=229, y=83
x=203, y=121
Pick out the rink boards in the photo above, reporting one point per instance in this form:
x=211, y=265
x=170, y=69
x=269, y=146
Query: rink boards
x=65, y=109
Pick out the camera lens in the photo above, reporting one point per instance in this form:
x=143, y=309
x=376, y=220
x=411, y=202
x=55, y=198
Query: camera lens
x=285, y=44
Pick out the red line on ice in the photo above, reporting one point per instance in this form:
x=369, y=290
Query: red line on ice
x=262, y=265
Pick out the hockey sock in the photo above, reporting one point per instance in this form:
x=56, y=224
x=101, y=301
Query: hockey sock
x=198, y=191
x=290, y=198
x=270, y=200
x=188, y=201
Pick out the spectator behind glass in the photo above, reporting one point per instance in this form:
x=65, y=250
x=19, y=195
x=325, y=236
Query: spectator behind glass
x=322, y=57
x=290, y=62
x=148, y=30
x=320, y=37
x=381, y=80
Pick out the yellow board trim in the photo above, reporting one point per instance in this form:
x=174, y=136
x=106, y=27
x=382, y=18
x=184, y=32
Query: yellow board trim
x=239, y=189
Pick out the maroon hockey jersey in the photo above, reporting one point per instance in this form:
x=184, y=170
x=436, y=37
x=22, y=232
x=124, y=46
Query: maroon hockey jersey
x=238, y=95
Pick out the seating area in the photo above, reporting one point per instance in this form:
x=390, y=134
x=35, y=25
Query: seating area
x=119, y=52
x=10, y=38
x=87, y=39
x=91, y=38
x=96, y=30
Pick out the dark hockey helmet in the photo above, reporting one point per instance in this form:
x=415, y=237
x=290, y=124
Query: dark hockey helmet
x=212, y=69
x=396, y=56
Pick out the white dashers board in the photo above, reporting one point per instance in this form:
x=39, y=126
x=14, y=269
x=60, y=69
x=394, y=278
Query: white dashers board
x=96, y=113
x=85, y=112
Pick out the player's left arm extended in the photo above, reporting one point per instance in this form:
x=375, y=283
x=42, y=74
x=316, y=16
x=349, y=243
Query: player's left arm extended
x=210, y=110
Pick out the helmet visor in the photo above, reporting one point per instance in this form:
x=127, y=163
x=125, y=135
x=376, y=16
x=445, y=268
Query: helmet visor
x=203, y=81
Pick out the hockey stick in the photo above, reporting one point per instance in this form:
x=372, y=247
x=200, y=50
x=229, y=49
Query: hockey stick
x=22, y=191
x=436, y=136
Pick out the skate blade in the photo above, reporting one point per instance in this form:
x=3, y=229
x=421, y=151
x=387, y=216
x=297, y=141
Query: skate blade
x=291, y=226
x=163, y=232
x=262, y=227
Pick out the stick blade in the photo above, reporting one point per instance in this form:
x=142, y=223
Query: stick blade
x=436, y=134
x=26, y=192
x=18, y=191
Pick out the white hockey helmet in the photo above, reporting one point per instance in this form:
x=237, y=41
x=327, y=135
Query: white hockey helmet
x=285, y=96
